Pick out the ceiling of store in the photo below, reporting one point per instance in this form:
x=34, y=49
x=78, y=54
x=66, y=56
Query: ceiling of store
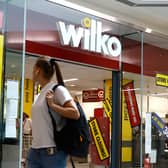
x=152, y=17
x=141, y=18
x=145, y=2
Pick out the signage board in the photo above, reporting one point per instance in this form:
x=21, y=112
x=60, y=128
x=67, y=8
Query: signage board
x=108, y=108
x=148, y=133
x=90, y=37
x=159, y=124
x=99, y=128
x=161, y=80
x=28, y=96
x=153, y=156
x=132, y=106
x=93, y=95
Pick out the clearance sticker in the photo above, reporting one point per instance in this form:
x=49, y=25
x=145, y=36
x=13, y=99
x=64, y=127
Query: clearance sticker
x=162, y=80
x=98, y=139
x=108, y=108
x=28, y=96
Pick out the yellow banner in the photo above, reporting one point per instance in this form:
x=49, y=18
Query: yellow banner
x=1, y=57
x=162, y=80
x=98, y=139
x=108, y=108
x=126, y=126
x=108, y=89
x=28, y=96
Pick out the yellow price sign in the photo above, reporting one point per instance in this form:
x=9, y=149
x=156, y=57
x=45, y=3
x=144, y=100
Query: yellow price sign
x=162, y=80
x=1, y=57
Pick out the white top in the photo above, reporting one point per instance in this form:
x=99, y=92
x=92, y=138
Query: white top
x=42, y=130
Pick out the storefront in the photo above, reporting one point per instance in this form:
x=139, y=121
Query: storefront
x=96, y=52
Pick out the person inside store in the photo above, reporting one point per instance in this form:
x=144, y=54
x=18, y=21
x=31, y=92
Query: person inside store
x=27, y=136
x=27, y=124
x=44, y=153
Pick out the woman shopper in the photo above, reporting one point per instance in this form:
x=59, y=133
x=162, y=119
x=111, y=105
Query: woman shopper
x=43, y=153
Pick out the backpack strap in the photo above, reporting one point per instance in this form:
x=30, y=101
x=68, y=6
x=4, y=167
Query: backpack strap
x=55, y=87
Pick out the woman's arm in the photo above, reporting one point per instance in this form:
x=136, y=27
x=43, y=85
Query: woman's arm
x=67, y=110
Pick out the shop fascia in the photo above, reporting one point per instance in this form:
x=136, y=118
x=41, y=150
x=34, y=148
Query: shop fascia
x=91, y=37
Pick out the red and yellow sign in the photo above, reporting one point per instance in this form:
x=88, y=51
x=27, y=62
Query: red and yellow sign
x=99, y=140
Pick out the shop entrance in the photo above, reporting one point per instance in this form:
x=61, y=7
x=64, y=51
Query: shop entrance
x=43, y=38
x=86, y=83
x=78, y=79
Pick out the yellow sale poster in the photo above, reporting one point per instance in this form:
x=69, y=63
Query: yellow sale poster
x=1, y=57
x=126, y=126
x=28, y=96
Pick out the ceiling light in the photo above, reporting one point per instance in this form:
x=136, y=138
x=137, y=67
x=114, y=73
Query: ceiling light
x=70, y=80
x=148, y=30
x=137, y=3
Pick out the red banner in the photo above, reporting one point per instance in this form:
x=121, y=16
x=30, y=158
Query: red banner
x=103, y=123
x=94, y=95
x=132, y=106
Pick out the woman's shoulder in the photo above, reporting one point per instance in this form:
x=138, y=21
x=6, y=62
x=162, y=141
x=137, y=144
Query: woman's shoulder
x=59, y=87
x=63, y=93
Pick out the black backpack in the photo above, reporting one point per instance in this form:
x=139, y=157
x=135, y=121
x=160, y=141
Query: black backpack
x=74, y=137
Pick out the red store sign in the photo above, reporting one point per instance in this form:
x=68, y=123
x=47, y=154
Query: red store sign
x=94, y=95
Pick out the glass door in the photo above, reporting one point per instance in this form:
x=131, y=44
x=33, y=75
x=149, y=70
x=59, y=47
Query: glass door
x=132, y=99
x=156, y=95
x=12, y=15
x=1, y=68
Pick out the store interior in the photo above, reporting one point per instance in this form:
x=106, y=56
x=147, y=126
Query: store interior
x=83, y=77
x=41, y=29
x=80, y=77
